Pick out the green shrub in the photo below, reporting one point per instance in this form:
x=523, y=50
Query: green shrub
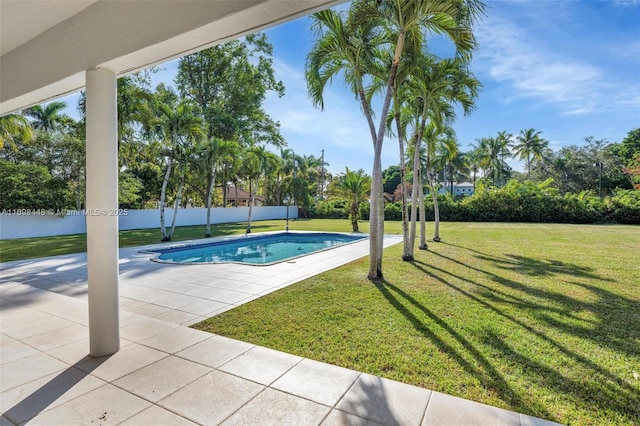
x=624, y=206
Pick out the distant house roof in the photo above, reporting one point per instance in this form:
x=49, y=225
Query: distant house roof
x=231, y=194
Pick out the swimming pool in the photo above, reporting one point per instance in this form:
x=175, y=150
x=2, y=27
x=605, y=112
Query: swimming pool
x=256, y=249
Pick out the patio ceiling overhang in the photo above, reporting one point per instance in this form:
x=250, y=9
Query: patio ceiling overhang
x=47, y=45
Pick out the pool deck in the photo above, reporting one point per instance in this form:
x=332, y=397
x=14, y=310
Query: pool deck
x=168, y=374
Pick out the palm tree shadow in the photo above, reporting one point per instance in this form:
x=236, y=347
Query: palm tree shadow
x=541, y=267
x=488, y=376
x=609, y=324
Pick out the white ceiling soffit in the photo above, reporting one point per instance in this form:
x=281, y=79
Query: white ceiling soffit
x=47, y=45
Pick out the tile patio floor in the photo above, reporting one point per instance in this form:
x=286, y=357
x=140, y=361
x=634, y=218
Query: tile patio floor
x=168, y=374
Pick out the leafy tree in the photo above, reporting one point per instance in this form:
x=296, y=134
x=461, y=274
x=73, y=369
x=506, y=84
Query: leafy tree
x=391, y=179
x=229, y=83
x=30, y=186
x=629, y=148
x=129, y=190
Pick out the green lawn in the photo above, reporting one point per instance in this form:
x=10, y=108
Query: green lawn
x=540, y=319
x=29, y=248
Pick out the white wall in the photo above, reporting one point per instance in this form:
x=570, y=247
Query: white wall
x=25, y=226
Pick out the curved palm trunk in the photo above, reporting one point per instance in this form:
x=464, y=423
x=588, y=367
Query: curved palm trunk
x=175, y=209
x=163, y=197
x=407, y=251
x=375, y=198
x=414, y=196
x=252, y=198
x=436, y=212
x=423, y=215
x=212, y=185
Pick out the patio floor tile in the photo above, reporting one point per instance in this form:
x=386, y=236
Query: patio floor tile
x=317, y=381
x=13, y=350
x=144, y=329
x=277, y=408
x=155, y=415
x=24, y=402
x=106, y=405
x=147, y=309
x=535, y=421
x=127, y=360
x=78, y=351
x=46, y=324
x=446, y=409
x=254, y=288
x=162, y=378
x=340, y=418
x=385, y=401
x=178, y=317
x=212, y=398
x=176, y=339
x=203, y=307
x=261, y=365
x=59, y=337
x=24, y=370
x=226, y=296
x=215, y=351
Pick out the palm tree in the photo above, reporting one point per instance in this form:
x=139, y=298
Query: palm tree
x=351, y=46
x=529, y=145
x=12, y=126
x=503, y=139
x=218, y=153
x=345, y=47
x=491, y=153
x=178, y=125
x=48, y=118
x=472, y=159
x=134, y=105
x=254, y=164
x=355, y=187
x=434, y=86
x=439, y=139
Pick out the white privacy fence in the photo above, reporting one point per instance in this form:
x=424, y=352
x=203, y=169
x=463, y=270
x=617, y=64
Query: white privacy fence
x=35, y=223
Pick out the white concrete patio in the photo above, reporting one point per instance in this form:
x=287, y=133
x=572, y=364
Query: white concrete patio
x=169, y=374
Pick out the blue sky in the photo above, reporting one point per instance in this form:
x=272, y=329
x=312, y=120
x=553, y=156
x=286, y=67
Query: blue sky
x=569, y=68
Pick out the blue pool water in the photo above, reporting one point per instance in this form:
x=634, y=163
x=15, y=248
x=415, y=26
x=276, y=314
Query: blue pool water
x=256, y=250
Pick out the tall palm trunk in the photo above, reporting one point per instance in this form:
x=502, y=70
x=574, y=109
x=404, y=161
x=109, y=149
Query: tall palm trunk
x=414, y=195
x=407, y=251
x=423, y=214
x=252, y=198
x=163, y=197
x=212, y=185
x=436, y=211
x=176, y=207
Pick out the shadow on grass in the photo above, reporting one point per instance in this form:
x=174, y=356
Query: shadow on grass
x=618, y=318
x=486, y=374
x=540, y=267
x=621, y=396
x=593, y=392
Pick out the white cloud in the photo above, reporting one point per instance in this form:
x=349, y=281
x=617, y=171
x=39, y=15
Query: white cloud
x=510, y=54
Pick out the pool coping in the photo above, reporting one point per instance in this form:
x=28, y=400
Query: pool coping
x=225, y=239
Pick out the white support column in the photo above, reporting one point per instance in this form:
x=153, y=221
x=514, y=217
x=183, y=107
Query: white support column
x=101, y=212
